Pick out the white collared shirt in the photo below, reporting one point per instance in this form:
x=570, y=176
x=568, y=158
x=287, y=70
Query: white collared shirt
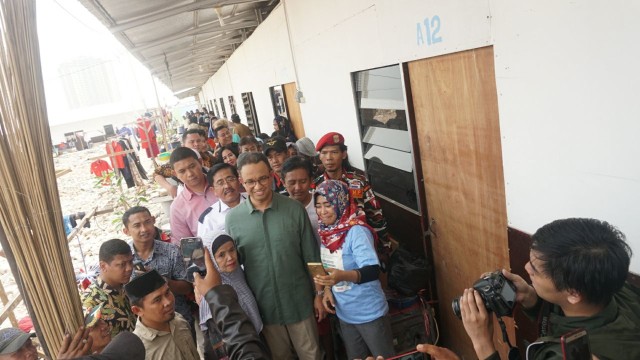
x=211, y=222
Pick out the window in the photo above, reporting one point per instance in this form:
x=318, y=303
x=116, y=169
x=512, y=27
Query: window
x=386, y=142
x=252, y=115
x=278, y=101
x=224, y=111
x=215, y=106
x=232, y=105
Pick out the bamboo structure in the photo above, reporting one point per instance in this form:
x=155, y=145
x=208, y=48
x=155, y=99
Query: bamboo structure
x=30, y=213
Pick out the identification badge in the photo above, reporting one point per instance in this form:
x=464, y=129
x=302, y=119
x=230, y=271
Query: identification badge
x=355, y=191
x=334, y=260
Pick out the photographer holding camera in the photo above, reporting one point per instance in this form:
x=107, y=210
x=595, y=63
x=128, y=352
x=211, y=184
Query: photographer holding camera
x=578, y=270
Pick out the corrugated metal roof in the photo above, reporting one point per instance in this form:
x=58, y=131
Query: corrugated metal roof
x=183, y=43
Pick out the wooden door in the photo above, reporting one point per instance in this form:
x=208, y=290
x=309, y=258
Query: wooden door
x=456, y=115
x=293, y=109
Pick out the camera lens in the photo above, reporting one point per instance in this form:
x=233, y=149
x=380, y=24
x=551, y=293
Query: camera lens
x=455, y=306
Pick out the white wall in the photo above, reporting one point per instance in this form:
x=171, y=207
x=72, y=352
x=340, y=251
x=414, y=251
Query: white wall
x=332, y=39
x=566, y=76
x=568, y=82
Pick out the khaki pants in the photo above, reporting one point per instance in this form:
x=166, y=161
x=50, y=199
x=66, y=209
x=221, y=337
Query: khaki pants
x=301, y=338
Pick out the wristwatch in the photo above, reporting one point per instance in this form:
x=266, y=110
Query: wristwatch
x=320, y=293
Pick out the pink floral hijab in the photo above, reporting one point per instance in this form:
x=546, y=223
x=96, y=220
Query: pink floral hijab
x=348, y=214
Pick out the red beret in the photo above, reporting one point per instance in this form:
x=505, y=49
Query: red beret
x=332, y=138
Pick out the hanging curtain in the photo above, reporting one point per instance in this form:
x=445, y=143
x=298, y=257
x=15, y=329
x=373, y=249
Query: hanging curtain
x=29, y=204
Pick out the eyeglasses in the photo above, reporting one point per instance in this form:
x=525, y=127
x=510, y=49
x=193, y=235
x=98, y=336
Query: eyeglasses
x=228, y=180
x=263, y=180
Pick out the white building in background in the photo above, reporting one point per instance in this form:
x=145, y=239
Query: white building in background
x=566, y=76
x=88, y=82
x=89, y=92
x=515, y=113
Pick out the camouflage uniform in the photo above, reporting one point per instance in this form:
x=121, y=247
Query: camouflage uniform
x=116, y=310
x=361, y=192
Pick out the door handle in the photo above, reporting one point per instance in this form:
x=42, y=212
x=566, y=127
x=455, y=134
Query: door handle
x=430, y=230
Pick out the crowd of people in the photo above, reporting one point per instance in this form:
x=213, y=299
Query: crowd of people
x=265, y=209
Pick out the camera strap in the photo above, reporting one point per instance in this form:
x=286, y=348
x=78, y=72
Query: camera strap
x=543, y=319
x=514, y=354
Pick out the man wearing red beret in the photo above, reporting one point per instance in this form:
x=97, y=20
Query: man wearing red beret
x=333, y=154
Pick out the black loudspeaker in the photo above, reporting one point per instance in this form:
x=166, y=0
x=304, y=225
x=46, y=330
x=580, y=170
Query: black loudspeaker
x=108, y=130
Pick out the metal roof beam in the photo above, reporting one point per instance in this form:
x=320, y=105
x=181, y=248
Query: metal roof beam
x=190, y=72
x=222, y=52
x=191, y=64
x=214, y=52
x=197, y=48
x=187, y=82
x=187, y=67
x=165, y=13
x=205, y=29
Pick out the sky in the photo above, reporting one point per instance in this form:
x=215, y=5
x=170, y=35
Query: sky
x=66, y=31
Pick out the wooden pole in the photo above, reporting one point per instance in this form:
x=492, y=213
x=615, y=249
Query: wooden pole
x=30, y=214
x=164, y=126
x=5, y=300
x=16, y=276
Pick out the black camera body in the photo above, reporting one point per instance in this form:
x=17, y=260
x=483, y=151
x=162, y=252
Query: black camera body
x=498, y=294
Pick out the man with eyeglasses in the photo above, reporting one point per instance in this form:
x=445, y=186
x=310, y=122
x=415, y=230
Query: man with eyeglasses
x=275, y=241
x=224, y=180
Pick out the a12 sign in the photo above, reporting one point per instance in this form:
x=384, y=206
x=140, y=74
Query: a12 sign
x=428, y=31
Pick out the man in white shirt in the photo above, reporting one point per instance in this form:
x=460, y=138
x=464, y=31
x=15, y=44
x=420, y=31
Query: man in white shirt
x=224, y=180
x=164, y=333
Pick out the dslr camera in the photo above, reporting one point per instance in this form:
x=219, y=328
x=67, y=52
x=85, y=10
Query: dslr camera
x=498, y=294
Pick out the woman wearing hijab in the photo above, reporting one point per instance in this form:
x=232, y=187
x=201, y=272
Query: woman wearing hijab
x=282, y=127
x=225, y=259
x=352, y=286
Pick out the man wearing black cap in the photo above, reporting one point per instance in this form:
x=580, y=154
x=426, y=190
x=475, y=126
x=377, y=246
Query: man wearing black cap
x=16, y=344
x=333, y=154
x=275, y=149
x=164, y=333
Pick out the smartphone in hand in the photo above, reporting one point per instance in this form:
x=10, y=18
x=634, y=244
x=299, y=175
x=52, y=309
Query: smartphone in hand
x=316, y=269
x=575, y=345
x=193, y=255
